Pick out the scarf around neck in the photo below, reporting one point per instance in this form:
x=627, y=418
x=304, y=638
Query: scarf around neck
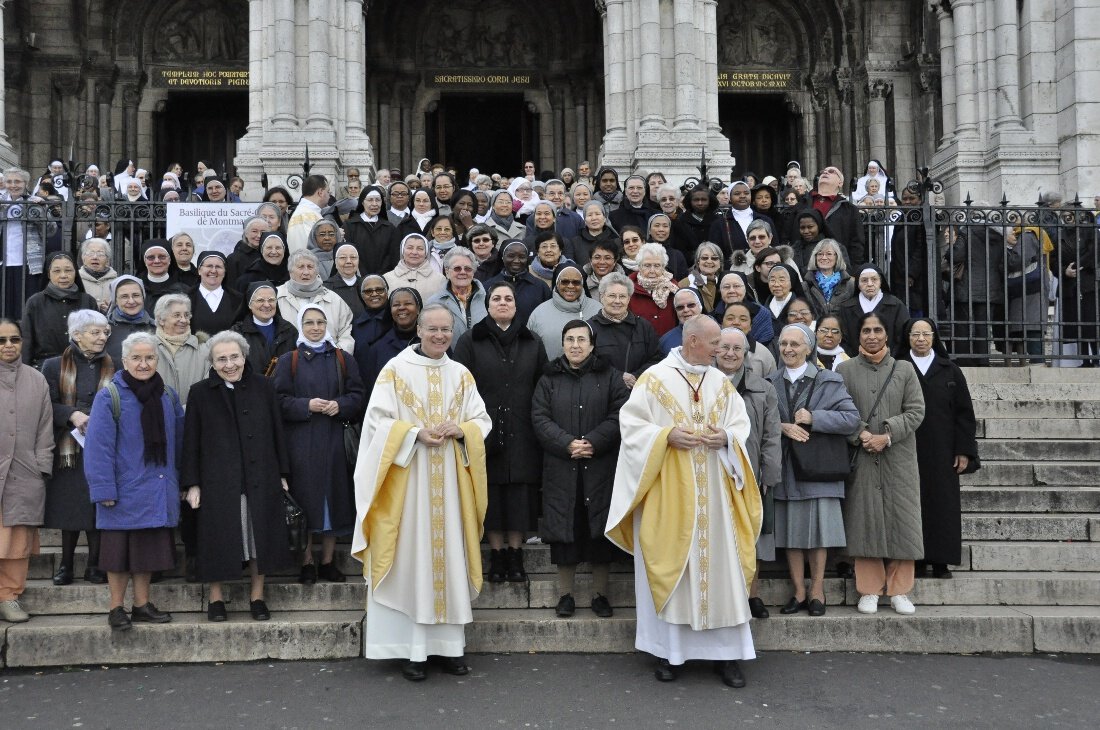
x=69, y=448
x=827, y=283
x=148, y=393
x=304, y=291
x=878, y=357
x=660, y=289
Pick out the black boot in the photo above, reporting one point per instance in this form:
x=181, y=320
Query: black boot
x=516, y=574
x=496, y=566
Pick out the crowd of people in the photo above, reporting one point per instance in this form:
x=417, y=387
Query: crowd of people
x=510, y=357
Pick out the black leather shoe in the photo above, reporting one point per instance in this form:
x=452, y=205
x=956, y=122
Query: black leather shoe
x=496, y=566
x=308, y=576
x=63, y=576
x=95, y=576
x=816, y=608
x=940, y=571
x=414, y=671
x=602, y=606
x=566, y=606
x=514, y=560
x=216, y=612
x=329, y=572
x=757, y=608
x=793, y=606
x=259, y=610
x=455, y=665
x=149, y=614
x=664, y=671
x=118, y=619
x=731, y=674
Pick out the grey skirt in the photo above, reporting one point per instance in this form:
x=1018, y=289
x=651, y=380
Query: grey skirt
x=809, y=523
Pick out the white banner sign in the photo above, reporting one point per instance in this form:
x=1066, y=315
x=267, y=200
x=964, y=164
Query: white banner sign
x=215, y=226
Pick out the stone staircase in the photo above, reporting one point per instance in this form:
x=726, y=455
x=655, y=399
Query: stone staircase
x=1029, y=579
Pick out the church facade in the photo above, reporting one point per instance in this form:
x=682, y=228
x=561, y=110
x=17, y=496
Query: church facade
x=994, y=96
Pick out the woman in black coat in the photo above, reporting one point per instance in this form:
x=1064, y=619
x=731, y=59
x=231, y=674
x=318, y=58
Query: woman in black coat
x=575, y=412
x=74, y=378
x=212, y=266
x=233, y=467
x=506, y=360
x=45, y=333
x=319, y=391
x=946, y=445
x=268, y=335
x=872, y=296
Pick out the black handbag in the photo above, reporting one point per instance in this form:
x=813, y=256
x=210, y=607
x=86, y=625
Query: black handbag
x=351, y=442
x=295, y=523
x=824, y=458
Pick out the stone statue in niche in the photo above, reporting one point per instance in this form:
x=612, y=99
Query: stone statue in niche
x=479, y=34
x=203, y=30
x=749, y=35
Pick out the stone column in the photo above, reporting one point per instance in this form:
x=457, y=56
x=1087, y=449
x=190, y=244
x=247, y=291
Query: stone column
x=320, y=113
x=684, y=67
x=356, y=49
x=283, y=46
x=255, y=65
x=615, y=148
x=947, y=73
x=1008, y=72
x=877, y=91
x=8, y=158
x=649, y=48
x=966, y=124
x=718, y=146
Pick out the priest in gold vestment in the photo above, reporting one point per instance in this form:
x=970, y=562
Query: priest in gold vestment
x=420, y=496
x=686, y=505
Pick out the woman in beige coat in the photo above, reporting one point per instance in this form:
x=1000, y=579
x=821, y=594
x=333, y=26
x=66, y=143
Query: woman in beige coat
x=26, y=456
x=882, y=502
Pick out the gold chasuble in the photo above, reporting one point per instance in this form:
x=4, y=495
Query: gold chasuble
x=420, y=508
x=690, y=517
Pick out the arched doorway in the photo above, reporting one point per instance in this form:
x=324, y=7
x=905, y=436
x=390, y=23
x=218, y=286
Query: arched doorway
x=200, y=126
x=783, y=67
x=491, y=84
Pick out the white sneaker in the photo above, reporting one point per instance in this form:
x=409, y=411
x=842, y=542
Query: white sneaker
x=903, y=605
x=13, y=612
x=868, y=604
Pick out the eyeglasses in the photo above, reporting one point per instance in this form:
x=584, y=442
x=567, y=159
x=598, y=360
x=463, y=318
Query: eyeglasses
x=829, y=330
x=769, y=264
x=920, y=335
x=799, y=312
x=463, y=269
x=710, y=258
x=374, y=290
x=734, y=348
x=14, y=339
x=156, y=257
x=569, y=282
x=482, y=239
x=228, y=360
x=690, y=305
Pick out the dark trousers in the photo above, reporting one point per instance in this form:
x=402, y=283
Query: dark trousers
x=18, y=285
x=975, y=322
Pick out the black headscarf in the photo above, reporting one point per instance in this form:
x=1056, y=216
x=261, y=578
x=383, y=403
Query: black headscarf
x=938, y=347
x=148, y=393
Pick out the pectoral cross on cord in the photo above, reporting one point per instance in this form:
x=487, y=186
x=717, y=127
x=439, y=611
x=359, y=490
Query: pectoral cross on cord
x=694, y=389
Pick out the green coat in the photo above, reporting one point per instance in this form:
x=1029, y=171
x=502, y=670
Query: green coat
x=882, y=516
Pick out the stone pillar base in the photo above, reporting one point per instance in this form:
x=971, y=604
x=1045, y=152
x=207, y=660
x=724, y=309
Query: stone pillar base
x=679, y=159
x=8, y=158
x=1011, y=163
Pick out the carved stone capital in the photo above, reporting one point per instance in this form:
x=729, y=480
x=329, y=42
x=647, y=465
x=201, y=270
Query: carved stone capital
x=879, y=88
x=844, y=85
x=601, y=7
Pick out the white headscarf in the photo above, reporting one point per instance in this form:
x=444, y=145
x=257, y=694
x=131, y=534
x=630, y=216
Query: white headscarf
x=528, y=206
x=302, y=340
x=861, y=184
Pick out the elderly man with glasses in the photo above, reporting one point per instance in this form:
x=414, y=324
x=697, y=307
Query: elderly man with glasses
x=841, y=217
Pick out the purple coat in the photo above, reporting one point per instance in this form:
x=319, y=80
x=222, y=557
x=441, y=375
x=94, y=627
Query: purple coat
x=146, y=495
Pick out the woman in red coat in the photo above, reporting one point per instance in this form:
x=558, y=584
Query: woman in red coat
x=654, y=288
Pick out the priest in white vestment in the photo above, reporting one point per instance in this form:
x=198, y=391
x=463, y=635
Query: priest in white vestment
x=685, y=504
x=420, y=497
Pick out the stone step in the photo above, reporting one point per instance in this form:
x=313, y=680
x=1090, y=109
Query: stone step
x=1030, y=374
x=1008, y=526
x=87, y=639
x=1028, y=408
x=1015, y=473
x=1036, y=391
x=933, y=629
x=1039, y=428
x=1052, y=557
x=42, y=598
x=1039, y=450
x=1040, y=499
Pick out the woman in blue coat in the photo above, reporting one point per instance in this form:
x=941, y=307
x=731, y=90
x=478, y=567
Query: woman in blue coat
x=131, y=451
x=319, y=391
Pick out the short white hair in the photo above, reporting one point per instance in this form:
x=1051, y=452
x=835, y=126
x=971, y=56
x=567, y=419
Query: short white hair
x=82, y=319
x=653, y=249
x=95, y=242
x=223, y=337
x=138, y=338
x=615, y=279
x=160, y=310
